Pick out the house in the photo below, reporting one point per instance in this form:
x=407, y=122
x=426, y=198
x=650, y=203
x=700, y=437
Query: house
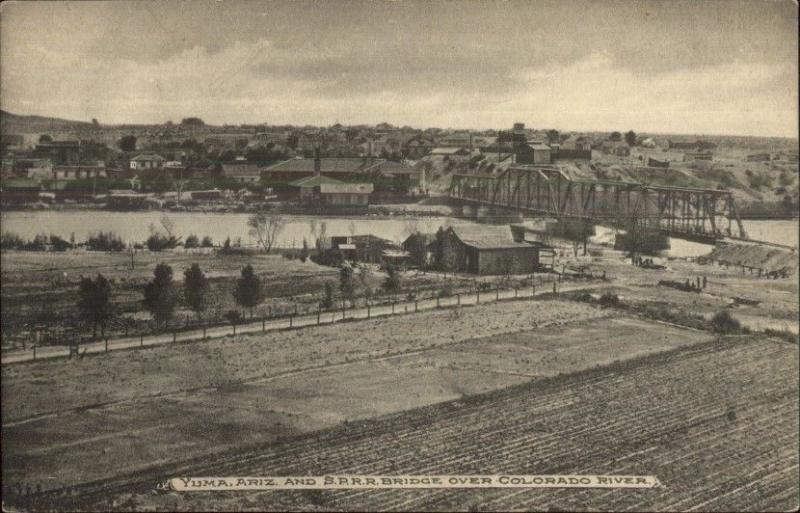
x=308, y=187
x=534, y=153
x=420, y=248
x=577, y=143
x=487, y=249
x=345, y=195
x=244, y=173
x=697, y=155
x=146, y=161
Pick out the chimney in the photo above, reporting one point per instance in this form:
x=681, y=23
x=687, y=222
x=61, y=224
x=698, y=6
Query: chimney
x=317, y=163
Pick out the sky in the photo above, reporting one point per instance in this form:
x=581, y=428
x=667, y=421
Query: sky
x=659, y=66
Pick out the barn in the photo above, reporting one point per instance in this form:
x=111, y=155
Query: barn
x=487, y=249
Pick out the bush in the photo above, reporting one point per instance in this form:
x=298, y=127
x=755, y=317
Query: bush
x=159, y=242
x=207, y=242
x=38, y=243
x=103, y=241
x=191, y=242
x=724, y=323
x=609, y=299
x=327, y=298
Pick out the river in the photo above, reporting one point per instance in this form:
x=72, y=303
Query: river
x=135, y=227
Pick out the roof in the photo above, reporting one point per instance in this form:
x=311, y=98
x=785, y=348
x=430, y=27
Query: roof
x=448, y=151
x=484, y=236
x=314, y=181
x=241, y=170
x=427, y=238
x=539, y=146
x=327, y=165
x=391, y=168
x=346, y=188
x=147, y=157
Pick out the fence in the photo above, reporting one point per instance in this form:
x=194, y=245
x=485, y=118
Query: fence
x=297, y=317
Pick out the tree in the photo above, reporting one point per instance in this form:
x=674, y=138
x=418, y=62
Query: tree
x=615, y=136
x=248, y=291
x=195, y=289
x=346, y=285
x=159, y=295
x=207, y=242
x=327, y=298
x=304, y=252
x=192, y=122
x=127, y=143
x=94, y=302
x=392, y=282
x=266, y=228
x=417, y=249
x=44, y=138
x=630, y=138
x=553, y=136
x=191, y=241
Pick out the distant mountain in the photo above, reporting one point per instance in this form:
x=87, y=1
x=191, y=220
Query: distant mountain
x=14, y=123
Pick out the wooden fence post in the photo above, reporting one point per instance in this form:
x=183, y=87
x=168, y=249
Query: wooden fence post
x=34, y=353
x=234, y=329
x=392, y=306
x=174, y=337
x=497, y=294
x=263, y=324
x=437, y=301
x=515, y=291
x=368, y=312
x=458, y=299
x=416, y=304
x=106, y=344
x=478, y=293
x=141, y=340
x=291, y=318
x=318, y=313
x=204, y=332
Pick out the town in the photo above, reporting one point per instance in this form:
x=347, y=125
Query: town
x=406, y=256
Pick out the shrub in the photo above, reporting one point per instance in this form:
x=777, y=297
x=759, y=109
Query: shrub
x=159, y=242
x=59, y=244
x=327, y=298
x=38, y=243
x=609, y=299
x=191, y=241
x=723, y=323
x=207, y=242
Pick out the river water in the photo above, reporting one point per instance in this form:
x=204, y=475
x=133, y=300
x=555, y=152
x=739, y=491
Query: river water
x=135, y=227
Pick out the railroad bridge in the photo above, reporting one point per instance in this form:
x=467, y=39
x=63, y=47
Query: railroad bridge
x=684, y=212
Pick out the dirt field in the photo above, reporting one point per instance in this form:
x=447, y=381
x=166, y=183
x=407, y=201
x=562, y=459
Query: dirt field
x=167, y=404
x=716, y=422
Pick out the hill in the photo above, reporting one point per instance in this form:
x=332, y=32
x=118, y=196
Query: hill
x=15, y=123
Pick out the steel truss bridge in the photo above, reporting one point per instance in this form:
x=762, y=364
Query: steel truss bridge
x=684, y=212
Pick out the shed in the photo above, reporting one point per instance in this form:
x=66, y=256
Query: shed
x=488, y=249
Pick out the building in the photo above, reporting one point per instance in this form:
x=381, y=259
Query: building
x=420, y=248
x=651, y=162
x=246, y=174
x=345, y=195
x=452, y=154
x=334, y=167
x=577, y=143
x=146, y=161
x=534, y=153
x=308, y=188
x=362, y=248
x=18, y=191
x=697, y=155
x=59, y=152
x=487, y=249
x=69, y=173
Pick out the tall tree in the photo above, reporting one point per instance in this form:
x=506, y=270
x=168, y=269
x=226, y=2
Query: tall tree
x=552, y=136
x=127, y=143
x=195, y=289
x=94, y=302
x=346, y=283
x=266, y=228
x=630, y=138
x=615, y=136
x=159, y=295
x=248, y=291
